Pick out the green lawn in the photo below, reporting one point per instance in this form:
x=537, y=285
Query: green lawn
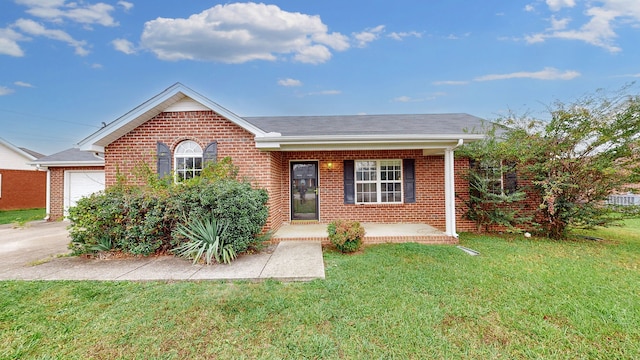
x=521, y=298
x=21, y=216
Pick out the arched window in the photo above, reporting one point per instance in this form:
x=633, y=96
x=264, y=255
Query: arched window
x=188, y=160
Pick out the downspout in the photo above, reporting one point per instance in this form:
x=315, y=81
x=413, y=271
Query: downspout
x=48, y=201
x=449, y=189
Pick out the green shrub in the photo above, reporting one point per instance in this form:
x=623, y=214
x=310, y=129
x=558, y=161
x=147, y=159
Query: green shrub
x=143, y=219
x=346, y=235
x=233, y=202
x=206, y=237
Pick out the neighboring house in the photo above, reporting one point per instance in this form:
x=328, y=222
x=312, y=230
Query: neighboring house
x=21, y=185
x=371, y=168
x=70, y=175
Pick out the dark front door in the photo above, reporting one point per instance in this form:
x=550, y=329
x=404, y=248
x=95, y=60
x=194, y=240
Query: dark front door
x=304, y=190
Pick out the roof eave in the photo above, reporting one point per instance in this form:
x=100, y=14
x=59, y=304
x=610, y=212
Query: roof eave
x=46, y=164
x=363, y=142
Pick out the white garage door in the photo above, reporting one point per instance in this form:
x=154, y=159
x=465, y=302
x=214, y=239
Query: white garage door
x=78, y=184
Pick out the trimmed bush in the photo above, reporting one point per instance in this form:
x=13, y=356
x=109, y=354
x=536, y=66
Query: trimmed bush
x=346, y=235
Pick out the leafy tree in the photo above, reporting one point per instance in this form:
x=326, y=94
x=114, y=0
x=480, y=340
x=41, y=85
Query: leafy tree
x=575, y=160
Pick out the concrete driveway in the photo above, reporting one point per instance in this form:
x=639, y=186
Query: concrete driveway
x=33, y=253
x=37, y=241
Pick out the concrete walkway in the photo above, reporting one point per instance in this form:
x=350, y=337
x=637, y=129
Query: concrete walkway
x=33, y=253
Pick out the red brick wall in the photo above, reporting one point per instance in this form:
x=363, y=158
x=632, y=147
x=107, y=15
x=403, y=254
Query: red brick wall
x=23, y=189
x=429, y=207
x=56, y=200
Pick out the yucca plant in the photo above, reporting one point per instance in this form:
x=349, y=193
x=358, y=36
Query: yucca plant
x=206, y=239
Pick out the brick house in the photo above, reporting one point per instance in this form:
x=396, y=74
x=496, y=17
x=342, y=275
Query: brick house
x=21, y=185
x=371, y=168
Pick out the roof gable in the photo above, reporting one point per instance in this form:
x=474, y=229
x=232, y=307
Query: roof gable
x=173, y=98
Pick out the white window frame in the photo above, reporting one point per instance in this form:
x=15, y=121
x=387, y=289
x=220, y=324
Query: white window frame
x=187, y=150
x=378, y=181
x=493, y=173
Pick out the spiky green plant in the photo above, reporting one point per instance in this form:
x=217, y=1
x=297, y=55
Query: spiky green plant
x=206, y=239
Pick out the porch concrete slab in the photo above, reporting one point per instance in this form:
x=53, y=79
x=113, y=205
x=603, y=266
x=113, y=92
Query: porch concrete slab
x=380, y=230
x=301, y=231
x=299, y=260
x=316, y=231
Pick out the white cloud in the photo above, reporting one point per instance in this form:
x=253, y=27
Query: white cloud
x=126, y=5
x=241, y=32
x=450, y=82
x=124, y=46
x=604, y=17
x=401, y=35
x=365, y=37
x=429, y=97
x=23, y=84
x=556, y=5
x=59, y=10
x=547, y=73
x=314, y=54
x=326, y=92
x=9, y=43
x=529, y=8
x=559, y=24
x=403, y=99
x=289, y=82
x=5, y=91
x=96, y=66
x=36, y=29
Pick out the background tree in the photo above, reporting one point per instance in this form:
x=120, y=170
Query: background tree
x=575, y=160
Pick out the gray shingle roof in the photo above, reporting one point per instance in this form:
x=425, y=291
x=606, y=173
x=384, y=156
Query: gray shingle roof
x=35, y=154
x=434, y=124
x=73, y=155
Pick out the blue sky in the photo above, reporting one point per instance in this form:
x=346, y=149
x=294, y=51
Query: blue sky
x=68, y=66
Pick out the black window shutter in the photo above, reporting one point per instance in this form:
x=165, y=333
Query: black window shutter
x=164, y=160
x=349, y=183
x=210, y=154
x=409, y=176
x=510, y=179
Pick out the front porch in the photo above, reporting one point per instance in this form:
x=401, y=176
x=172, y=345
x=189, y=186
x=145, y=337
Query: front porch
x=375, y=233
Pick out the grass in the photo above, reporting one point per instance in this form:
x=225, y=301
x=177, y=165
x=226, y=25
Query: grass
x=21, y=217
x=520, y=299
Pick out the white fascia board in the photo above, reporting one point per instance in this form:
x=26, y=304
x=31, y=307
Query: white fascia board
x=49, y=164
x=363, y=142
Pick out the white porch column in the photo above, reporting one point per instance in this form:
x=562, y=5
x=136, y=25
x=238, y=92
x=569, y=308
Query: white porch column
x=449, y=193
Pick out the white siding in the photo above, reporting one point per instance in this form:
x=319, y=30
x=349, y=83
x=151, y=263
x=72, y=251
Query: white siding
x=11, y=160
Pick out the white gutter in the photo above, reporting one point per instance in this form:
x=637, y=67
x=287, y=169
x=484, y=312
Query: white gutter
x=364, y=142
